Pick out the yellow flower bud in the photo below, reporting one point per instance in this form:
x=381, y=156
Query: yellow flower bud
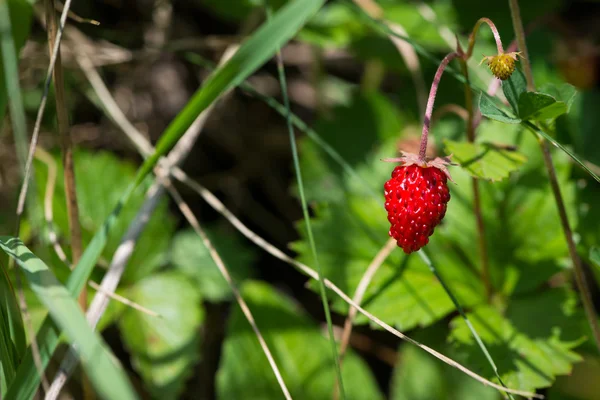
x=502, y=65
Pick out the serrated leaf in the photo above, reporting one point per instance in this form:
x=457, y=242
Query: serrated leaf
x=418, y=376
x=490, y=110
x=513, y=87
x=485, y=160
x=349, y=234
x=163, y=348
x=529, y=352
x=540, y=106
x=299, y=349
x=191, y=256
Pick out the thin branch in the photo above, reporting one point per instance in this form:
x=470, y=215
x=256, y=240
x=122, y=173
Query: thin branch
x=189, y=215
x=360, y=291
x=216, y=204
x=125, y=250
x=115, y=113
x=47, y=159
x=580, y=279
x=40, y=113
x=66, y=147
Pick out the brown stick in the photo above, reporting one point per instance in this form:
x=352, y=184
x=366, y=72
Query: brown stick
x=67, y=160
x=580, y=280
x=66, y=145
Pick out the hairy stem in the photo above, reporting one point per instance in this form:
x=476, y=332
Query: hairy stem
x=474, y=34
x=483, y=254
x=580, y=280
x=431, y=101
x=515, y=14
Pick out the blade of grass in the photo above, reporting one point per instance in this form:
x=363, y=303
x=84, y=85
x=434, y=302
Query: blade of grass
x=214, y=202
x=218, y=206
x=255, y=51
x=107, y=377
x=14, y=311
x=298, y=123
x=313, y=248
x=462, y=313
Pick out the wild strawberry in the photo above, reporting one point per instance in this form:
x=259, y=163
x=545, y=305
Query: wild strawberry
x=502, y=65
x=415, y=199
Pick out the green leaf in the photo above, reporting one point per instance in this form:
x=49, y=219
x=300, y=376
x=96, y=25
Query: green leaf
x=191, y=256
x=529, y=352
x=540, y=106
x=97, y=197
x=352, y=230
x=255, y=51
x=513, y=87
x=164, y=349
x=485, y=160
x=299, y=349
x=564, y=93
x=107, y=377
x=490, y=110
x=595, y=256
x=419, y=376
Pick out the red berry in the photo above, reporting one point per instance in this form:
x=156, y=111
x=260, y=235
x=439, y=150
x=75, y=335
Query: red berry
x=415, y=200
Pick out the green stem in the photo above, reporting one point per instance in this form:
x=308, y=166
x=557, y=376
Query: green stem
x=483, y=254
x=323, y=291
x=457, y=305
x=580, y=280
x=515, y=14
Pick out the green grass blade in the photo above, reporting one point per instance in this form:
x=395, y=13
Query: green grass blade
x=549, y=138
x=297, y=122
x=313, y=247
x=13, y=331
x=459, y=308
x=27, y=378
x=253, y=53
x=108, y=378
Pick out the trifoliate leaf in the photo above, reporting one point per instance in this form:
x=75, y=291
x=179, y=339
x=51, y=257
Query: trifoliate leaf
x=485, y=160
x=528, y=351
x=299, y=347
x=191, y=256
x=163, y=348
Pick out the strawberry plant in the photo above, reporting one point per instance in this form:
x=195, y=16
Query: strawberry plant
x=360, y=206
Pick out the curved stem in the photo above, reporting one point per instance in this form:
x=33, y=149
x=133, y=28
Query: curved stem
x=474, y=34
x=515, y=14
x=431, y=101
x=580, y=280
